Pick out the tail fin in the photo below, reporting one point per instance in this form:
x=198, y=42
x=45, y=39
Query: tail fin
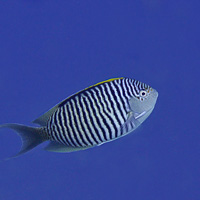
x=30, y=136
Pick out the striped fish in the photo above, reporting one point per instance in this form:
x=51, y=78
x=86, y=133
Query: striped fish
x=100, y=113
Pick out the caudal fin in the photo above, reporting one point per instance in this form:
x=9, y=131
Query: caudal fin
x=30, y=136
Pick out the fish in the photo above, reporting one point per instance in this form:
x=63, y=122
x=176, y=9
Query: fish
x=91, y=117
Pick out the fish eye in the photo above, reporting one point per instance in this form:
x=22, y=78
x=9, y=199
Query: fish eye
x=143, y=93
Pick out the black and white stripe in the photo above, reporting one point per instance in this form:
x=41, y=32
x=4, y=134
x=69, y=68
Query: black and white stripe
x=95, y=115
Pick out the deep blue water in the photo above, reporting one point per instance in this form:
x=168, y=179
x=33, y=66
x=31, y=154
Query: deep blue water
x=51, y=49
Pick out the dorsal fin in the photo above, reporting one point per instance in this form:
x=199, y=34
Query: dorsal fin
x=79, y=92
x=106, y=81
x=43, y=119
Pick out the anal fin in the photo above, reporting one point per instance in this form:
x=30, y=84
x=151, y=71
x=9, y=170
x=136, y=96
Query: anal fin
x=61, y=148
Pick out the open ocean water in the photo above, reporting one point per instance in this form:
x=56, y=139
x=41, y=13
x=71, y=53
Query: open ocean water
x=52, y=49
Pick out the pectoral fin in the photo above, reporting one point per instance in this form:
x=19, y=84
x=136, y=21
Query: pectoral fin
x=131, y=123
x=139, y=115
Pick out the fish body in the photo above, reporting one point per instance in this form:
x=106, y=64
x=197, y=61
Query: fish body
x=98, y=114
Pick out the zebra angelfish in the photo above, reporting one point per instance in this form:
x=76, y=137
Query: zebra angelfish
x=98, y=114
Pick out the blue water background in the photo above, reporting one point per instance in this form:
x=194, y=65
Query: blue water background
x=52, y=49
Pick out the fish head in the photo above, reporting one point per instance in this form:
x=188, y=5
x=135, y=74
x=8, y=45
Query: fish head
x=143, y=103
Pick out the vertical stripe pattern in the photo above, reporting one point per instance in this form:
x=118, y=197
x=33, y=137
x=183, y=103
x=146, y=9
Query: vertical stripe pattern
x=94, y=115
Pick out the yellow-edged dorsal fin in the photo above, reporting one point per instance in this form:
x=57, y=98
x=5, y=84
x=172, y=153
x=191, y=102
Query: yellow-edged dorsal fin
x=106, y=81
